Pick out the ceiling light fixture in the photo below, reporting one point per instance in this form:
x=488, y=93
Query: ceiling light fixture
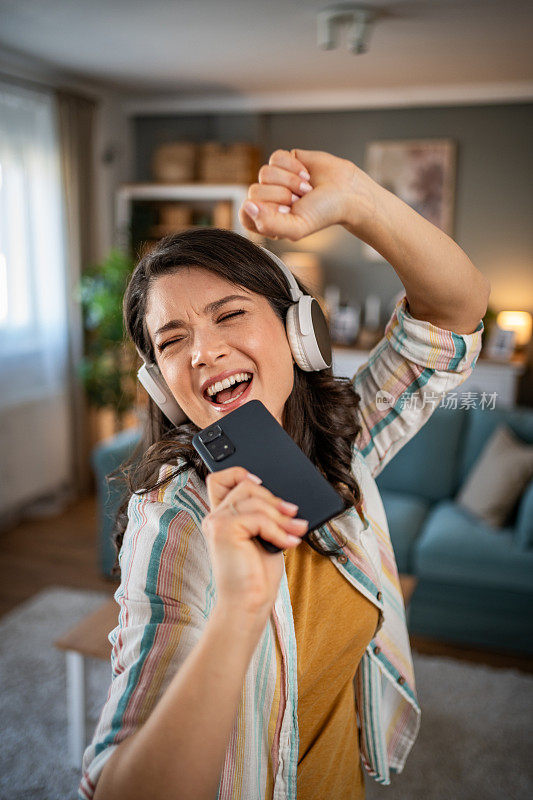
x=360, y=19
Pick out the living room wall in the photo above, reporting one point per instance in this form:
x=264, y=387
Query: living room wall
x=494, y=194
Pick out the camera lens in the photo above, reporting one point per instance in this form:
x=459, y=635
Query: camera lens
x=211, y=433
x=220, y=449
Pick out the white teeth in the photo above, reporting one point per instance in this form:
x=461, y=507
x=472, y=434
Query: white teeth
x=227, y=382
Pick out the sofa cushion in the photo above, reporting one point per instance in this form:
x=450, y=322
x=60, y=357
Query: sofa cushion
x=405, y=515
x=455, y=546
x=481, y=425
x=427, y=465
x=498, y=478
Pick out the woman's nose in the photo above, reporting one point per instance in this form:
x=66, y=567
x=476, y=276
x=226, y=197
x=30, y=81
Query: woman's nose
x=207, y=347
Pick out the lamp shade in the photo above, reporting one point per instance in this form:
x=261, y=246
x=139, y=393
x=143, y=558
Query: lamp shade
x=306, y=266
x=518, y=321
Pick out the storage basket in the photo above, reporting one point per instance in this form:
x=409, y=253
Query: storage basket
x=222, y=216
x=175, y=162
x=174, y=215
x=233, y=163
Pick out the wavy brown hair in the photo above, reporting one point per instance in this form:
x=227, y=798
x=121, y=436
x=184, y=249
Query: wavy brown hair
x=321, y=413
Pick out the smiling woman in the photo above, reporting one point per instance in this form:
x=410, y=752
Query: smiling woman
x=198, y=346
x=208, y=304
x=238, y=672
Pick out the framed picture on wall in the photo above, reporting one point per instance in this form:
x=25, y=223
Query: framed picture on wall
x=421, y=172
x=501, y=344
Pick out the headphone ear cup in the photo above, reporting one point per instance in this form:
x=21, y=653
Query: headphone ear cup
x=151, y=378
x=295, y=339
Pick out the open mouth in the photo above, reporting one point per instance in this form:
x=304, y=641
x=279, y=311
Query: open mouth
x=231, y=397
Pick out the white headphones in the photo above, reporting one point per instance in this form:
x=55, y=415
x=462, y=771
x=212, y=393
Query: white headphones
x=307, y=333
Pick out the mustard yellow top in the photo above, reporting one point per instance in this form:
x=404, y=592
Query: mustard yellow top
x=333, y=624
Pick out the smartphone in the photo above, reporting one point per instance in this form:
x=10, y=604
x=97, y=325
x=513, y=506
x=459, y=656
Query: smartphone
x=252, y=438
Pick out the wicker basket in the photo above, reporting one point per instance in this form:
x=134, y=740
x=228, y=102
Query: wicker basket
x=175, y=162
x=175, y=215
x=233, y=163
x=222, y=216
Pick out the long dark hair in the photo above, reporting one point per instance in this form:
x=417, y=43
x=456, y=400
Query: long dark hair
x=321, y=413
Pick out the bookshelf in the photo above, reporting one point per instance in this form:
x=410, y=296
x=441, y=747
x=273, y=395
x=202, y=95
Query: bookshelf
x=145, y=212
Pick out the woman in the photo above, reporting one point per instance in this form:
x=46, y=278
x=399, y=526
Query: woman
x=242, y=672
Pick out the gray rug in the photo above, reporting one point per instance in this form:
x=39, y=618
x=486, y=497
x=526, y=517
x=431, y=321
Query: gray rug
x=474, y=741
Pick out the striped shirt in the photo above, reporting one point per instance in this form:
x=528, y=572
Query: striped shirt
x=167, y=589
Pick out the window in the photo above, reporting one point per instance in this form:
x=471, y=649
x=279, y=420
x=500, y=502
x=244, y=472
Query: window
x=33, y=307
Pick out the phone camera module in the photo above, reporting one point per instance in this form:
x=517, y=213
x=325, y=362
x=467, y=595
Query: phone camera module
x=221, y=448
x=210, y=434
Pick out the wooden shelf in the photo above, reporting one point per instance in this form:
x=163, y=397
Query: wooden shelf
x=226, y=200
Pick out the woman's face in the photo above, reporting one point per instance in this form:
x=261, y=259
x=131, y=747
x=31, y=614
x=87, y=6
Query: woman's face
x=201, y=336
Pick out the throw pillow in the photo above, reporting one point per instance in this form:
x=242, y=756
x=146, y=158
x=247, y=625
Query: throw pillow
x=498, y=477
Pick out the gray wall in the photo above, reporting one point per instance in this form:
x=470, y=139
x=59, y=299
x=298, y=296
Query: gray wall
x=494, y=186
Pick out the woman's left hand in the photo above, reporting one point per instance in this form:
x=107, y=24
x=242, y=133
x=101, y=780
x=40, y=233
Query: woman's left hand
x=303, y=191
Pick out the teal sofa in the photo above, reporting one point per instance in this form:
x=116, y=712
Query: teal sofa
x=475, y=583
x=106, y=457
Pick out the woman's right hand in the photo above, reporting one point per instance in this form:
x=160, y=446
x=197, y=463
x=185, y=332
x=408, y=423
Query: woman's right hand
x=247, y=576
x=284, y=204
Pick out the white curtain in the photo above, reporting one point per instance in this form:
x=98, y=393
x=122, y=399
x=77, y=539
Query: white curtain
x=34, y=412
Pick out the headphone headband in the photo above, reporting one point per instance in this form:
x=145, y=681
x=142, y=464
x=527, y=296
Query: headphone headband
x=295, y=290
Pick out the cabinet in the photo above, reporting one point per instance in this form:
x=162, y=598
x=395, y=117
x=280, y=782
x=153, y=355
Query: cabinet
x=146, y=212
x=496, y=377
x=489, y=376
x=346, y=361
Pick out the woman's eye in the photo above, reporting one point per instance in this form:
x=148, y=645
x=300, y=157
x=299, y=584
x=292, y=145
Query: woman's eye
x=180, y=338
x=170, y=341
x=233, y=314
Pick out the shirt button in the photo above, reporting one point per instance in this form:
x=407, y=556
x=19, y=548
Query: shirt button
x=379, y=596
x=342, y=559
x=401, y=680
x=377, y=649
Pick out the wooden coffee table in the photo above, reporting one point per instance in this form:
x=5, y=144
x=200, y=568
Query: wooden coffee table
x=88, y=639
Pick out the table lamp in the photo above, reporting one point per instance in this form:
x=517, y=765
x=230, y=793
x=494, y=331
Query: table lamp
x=518, y=321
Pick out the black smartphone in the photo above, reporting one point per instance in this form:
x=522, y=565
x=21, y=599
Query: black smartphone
x=251, y=437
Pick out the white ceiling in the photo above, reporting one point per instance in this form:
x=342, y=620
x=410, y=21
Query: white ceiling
x=246, y=48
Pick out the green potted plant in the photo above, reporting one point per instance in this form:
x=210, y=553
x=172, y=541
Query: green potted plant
x=107, y=369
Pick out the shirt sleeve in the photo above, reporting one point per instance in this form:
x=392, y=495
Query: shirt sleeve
x=165, y=596
x=407, y=373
